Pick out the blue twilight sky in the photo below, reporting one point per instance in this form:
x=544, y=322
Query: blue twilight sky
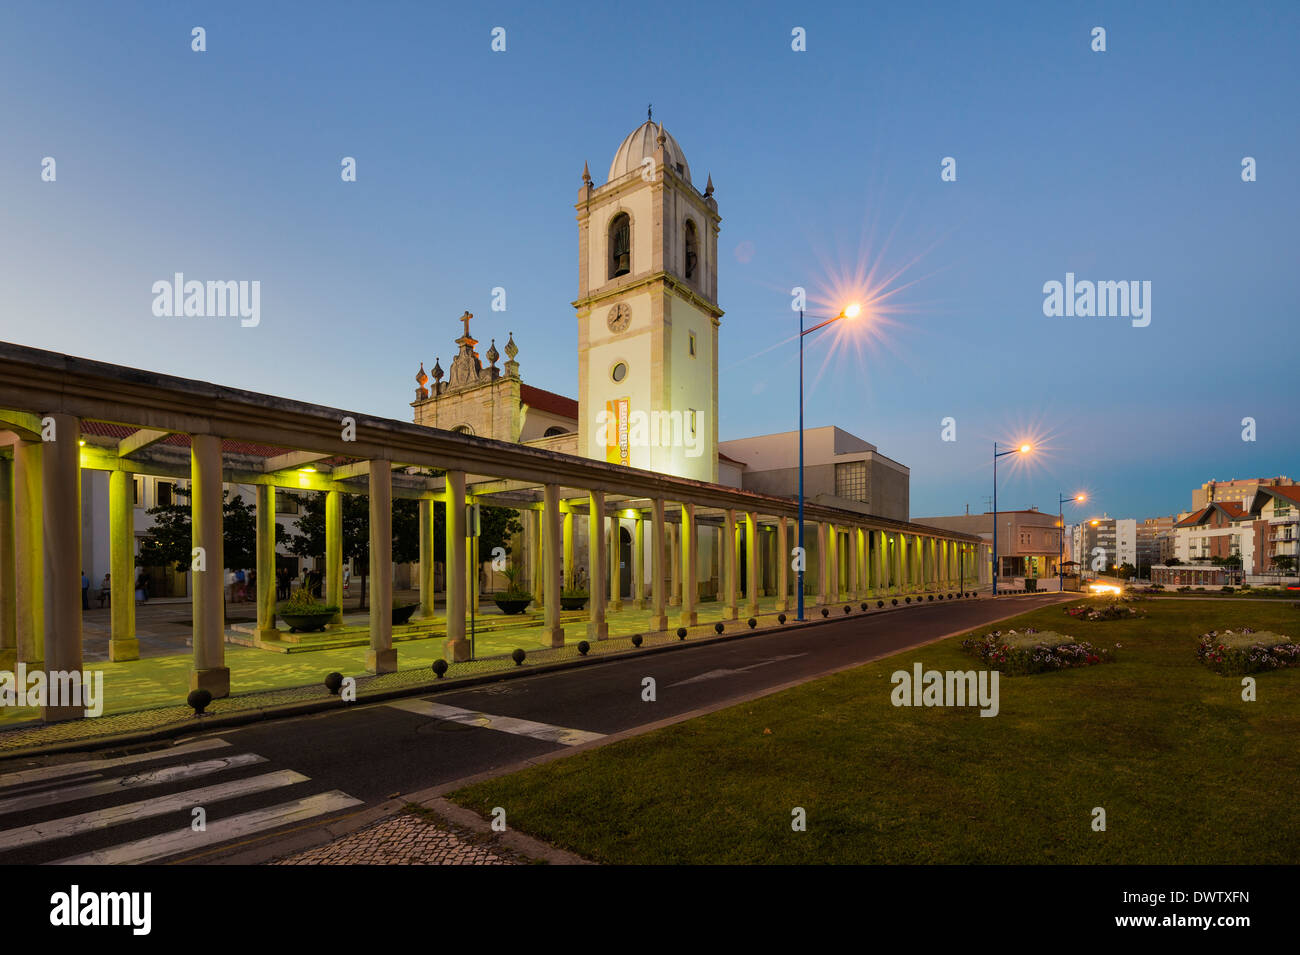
x=1123, y=165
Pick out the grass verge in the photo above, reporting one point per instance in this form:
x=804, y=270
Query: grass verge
x=1185, y=770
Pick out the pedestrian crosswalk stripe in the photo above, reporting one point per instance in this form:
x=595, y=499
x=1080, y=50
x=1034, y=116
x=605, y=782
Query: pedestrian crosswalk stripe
x=145, y=808
x=504, y=724
x=154, y=777
x=72, y=769
x=153, y=848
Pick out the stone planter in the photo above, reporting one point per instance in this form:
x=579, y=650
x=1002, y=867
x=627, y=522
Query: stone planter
x=512, y=603
x=403, y=613
x=573, y=601
x=307, y=622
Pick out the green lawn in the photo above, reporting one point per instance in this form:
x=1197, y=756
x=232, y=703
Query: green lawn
x=1186, y=771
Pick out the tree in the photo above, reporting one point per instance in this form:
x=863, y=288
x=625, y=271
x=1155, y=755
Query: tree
x=1172, y=562
x=497, y=524
x=1284, y=562
x=170, y=540
x=1127, y=571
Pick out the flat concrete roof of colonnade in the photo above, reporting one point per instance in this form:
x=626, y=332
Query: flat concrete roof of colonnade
x=37, y=382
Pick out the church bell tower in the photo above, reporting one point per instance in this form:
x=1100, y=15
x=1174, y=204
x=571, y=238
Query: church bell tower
x=648, y=312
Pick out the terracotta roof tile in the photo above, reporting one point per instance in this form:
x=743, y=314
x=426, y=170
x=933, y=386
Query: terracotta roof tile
x=548, y=401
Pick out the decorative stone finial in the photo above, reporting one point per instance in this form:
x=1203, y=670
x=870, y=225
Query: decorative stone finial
x=708, y=190
x=421, y=378
x=663, y=137
x=586, y=174
x=493, y=355
x=437, y=372
x=512, y=366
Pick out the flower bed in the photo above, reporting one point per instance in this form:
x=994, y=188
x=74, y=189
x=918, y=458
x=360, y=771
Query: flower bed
x=1114, y=611
x=1235, y=652
x=1034, y=651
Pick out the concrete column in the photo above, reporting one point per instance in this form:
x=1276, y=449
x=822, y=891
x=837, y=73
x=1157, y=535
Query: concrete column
x=752, y=553
x=29, y=545
x=533, y=533
x=730, y=572
x=334, y=553
x=658, y=605
x=852, y=551
x=823, y=573
x=210, y=671
x=472, y=565
x=8, y=579
x=568, y=546
x=264, y=558
x=638, y=562
x=597, y=560
x=457, y=647
x=782, y=564
x=896, y=564
x=61, y=552
x=675, y=565
x=615, y=564
x=425, y=609
x=381, y=658
x=122, y=643
x=553, y=565
x=690, y=561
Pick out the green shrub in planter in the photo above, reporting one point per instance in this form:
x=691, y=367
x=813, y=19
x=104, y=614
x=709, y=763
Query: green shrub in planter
x=304, y=612
x=518, y=656
x=333, y=681
x=847, y=609
x=636, y=639
x=198, y=700
x=752, y=623
x=439, y=667
x=584, y=647
x=826, y=611
x=780, y=618
x=681, y=633
x=718, y=627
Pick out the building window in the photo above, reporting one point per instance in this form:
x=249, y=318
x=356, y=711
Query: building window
x=692, y=249
x=164, y=494
x=462, y=429
x=619, y=371
x=692, y=344
x=553, y=431
x=285, y=502
x=620, y=245
x=851, y=480
x=137, y=490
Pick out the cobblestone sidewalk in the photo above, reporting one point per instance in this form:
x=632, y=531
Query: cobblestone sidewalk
x=407, y=839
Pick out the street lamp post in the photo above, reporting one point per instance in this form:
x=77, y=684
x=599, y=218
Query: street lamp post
x=1060, y=541
x=1023, y=449
x=852, y=311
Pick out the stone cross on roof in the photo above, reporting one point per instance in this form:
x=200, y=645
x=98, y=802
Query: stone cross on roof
x=465, y=318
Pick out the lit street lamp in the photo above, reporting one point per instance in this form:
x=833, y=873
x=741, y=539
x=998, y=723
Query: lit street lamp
x=851, y=311
x=1023, y=449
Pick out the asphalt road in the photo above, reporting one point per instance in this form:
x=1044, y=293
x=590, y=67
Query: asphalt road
x=139, y=805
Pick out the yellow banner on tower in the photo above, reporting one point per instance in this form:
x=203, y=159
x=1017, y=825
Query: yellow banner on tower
x=616, y=414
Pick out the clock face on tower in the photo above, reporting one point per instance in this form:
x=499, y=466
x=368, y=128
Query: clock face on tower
x=619, y=317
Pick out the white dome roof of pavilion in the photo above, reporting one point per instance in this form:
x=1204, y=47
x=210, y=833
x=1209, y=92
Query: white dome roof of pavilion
x=640, y=144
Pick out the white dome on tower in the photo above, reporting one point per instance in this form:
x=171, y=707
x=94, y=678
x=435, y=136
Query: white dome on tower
x=640, y=144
